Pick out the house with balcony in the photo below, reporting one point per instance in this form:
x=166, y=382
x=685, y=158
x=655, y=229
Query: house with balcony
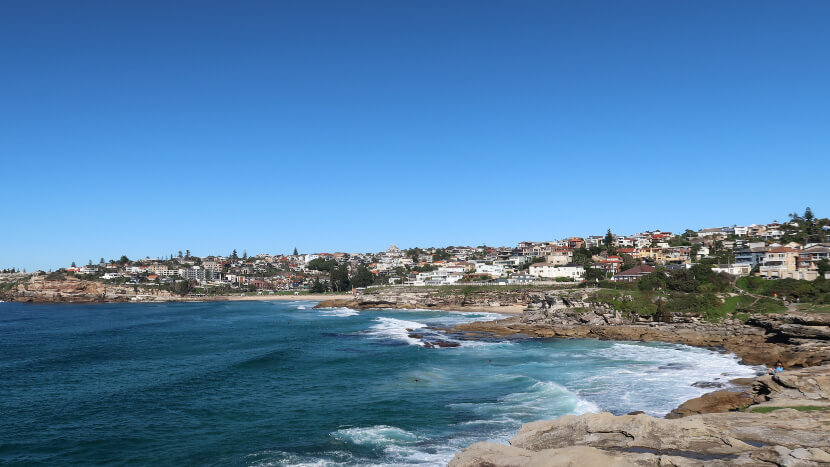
x=808, y=258
x=560, y=256
x=779, y=263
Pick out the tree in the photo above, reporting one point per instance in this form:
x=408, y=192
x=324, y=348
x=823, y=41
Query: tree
x=295, y=251
x=362, y=277
x=628, y=261
x=123, y=260
x=102, y=261
x=592, y=274
x=682, y=280
x=244, y=254
x=823, y=267
x=320, y=264
x=340, y=278
x=609, y=238
x=654, y=281
x=89, y=263
x=73, y=264
x=808, y=215
x=582, y=256
x=187, y=253
x=234, y=255
x=317, y=286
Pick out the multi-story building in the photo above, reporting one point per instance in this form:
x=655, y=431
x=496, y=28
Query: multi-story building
x=553, y=271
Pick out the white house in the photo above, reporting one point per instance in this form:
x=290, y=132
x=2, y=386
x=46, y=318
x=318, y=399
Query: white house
x=495, y=270
x=552, y=271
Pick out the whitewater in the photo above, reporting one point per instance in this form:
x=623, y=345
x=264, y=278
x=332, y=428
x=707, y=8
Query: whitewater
x=282, y=383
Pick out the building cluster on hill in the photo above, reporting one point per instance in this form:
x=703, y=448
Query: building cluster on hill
x=797, y=249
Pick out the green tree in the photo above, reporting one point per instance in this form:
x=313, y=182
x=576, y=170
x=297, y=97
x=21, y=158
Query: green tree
x=609, y=238
x=823, y=267
x=654, y=281
x=340, y=279
x=181, y=255
x=320, y=264
x=187, y=253
x=582, y=256
x=123, y=260
x=317, y=286
x=234, y=255
x=628, y=261
x=362, y=277
x=73, y=264
x=244, y=254
x=593, y=274
x=295, y=251
x=102, y=261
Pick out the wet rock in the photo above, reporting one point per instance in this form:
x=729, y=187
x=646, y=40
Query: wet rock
x=707, y=384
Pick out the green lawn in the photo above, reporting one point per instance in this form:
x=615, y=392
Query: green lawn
x=800, y=408
x=813, y=307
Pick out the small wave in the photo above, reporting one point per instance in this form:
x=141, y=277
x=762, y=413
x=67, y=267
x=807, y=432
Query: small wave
x=340, y=312
x=378, y=436
x=397, y=329
x=543, y=399
x=662, y=374
x=281, y=458
x=301, y=307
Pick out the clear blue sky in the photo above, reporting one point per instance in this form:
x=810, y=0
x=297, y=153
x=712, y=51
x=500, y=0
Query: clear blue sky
x=144, y=128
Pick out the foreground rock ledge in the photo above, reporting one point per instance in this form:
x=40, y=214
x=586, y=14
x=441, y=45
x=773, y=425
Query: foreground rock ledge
x=785, y=437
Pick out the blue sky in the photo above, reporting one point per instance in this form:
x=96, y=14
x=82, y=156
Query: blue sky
x=144, y=128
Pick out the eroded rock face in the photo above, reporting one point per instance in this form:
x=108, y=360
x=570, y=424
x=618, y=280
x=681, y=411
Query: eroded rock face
x=429, y=298
x=73, y=289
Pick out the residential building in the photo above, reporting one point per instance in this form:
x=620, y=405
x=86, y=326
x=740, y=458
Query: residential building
x=737, y=269
x=631, y=275
x=560, y=256
x=553, y=271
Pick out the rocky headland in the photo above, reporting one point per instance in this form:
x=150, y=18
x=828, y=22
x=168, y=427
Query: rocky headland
x=69, y=289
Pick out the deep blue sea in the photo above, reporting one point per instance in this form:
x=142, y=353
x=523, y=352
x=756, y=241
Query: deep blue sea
x=279, y=383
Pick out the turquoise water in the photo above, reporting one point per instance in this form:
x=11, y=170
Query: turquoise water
x=278, y=383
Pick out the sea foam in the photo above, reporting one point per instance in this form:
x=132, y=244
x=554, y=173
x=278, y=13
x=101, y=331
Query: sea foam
x=396, y=329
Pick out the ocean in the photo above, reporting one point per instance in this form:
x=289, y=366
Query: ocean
x=280, y=383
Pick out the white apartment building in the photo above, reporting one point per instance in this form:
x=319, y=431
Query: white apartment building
x=553, y=271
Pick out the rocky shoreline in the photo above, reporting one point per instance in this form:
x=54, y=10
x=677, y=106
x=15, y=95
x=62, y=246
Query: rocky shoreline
x=719, y=428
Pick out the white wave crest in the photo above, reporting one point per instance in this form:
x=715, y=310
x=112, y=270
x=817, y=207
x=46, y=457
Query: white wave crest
x=378, y=435
x=341, y=312
x=391, y=328
x=543, y=399
x=662, y=375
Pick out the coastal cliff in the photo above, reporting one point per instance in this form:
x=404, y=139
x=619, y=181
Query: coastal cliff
x=497, y=300
x=40, y=289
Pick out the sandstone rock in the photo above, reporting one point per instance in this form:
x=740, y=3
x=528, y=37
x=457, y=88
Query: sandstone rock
x=713, y=402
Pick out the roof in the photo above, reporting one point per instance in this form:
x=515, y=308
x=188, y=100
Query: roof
x=639, y=270
x=782, y=249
